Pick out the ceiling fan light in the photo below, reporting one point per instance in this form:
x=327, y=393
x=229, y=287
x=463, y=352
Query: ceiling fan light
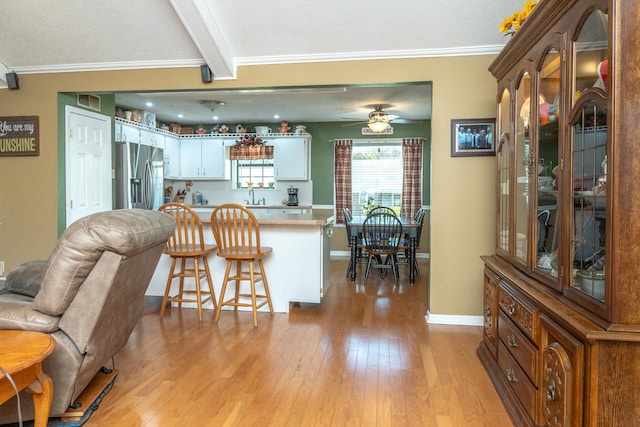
x=378, y=127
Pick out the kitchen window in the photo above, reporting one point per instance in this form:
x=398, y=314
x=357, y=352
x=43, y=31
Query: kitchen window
x=376, y=175
x=254, y=172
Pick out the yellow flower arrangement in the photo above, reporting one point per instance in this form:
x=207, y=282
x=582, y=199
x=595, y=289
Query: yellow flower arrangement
x=513, y=23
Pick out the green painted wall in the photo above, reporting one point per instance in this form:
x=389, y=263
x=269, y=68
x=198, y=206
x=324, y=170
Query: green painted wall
x=322, y=154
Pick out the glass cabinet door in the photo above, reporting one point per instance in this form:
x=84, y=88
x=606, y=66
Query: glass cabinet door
x=549, y=84
x=503, y=153
x=589, y=161
x=589, y=214
x=591, y=54
x=523, y=166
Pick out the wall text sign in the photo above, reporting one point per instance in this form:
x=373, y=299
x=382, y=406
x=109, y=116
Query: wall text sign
x=367, y=131
x=19, y=136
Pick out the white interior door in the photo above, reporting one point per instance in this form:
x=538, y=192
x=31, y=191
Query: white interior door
x=88, y=163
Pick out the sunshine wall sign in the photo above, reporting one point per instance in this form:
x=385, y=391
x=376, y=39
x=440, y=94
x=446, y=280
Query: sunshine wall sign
x=19, y=136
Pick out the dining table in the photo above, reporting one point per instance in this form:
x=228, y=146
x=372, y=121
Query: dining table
x=410, y=227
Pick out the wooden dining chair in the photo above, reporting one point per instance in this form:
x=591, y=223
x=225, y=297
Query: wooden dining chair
x=405, y=257
x=381, y=235
x=237, y=235
x=360, y=258
x=187, y=246
x=381, y=209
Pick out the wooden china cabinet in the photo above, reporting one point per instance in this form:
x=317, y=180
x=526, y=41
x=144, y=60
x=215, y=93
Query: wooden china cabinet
x=562, y=291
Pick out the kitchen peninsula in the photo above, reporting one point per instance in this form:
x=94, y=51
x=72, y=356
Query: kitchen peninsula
x=298, y=268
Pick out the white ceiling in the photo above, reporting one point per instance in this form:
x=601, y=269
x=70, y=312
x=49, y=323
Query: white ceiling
x=297, y=105
x=37, y=37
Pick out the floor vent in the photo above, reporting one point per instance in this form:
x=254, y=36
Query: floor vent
x=89, y=101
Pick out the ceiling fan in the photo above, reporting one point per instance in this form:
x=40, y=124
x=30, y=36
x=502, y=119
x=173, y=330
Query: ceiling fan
x=379, y=115
x=379, y=119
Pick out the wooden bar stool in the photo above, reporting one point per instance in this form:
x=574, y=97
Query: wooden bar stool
x=187, y=244
x=237, y=235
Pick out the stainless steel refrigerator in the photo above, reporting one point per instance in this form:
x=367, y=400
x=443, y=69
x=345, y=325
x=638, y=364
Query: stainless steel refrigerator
x=139, y=174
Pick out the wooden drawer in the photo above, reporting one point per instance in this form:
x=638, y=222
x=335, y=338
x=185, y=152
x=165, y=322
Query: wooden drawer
x=523, y=388
x=520, y=347
x=523, y=314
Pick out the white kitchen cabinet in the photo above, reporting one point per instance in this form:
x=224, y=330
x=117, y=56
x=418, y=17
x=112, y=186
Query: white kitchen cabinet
x=214, y=164
x=117, y=131
x=172, y=156
x=151, y=138
x=315, y=267
x=291, y=158
x=203, y=158
x=127, y=133
x=190, y=157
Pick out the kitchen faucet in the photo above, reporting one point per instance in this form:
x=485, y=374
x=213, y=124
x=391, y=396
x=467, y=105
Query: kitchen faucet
x=253, y=200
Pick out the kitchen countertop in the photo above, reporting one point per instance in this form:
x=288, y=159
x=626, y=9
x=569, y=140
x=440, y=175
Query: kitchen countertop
x=256, y=206
x=276, y=218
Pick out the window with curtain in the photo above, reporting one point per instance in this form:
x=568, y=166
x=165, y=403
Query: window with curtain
x=381, y=173
x=252, y=162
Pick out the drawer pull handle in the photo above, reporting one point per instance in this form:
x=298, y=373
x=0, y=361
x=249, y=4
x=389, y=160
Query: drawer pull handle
x=511, y=340
x=511, y=375
x=551, y=391
x=512, y=309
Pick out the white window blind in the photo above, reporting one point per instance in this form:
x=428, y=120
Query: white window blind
x=376, y=173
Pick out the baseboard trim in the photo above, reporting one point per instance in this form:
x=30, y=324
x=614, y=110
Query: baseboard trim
x=448, y=319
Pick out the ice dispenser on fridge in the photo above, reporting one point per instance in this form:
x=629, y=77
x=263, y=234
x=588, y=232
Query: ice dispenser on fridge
x=139, y=176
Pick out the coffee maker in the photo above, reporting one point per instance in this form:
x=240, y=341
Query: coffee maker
x=293, y=197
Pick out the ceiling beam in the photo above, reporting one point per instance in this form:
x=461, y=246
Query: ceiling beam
x=3, y=76
x=199, y=21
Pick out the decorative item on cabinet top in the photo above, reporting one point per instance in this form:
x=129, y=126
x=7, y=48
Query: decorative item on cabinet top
x=284, y=127
x=512, y=24
x=249, y=140
x=221, y=131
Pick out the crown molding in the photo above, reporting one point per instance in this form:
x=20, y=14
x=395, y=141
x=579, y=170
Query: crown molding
x=108, y=66
x=355, y=56
x=263, y=60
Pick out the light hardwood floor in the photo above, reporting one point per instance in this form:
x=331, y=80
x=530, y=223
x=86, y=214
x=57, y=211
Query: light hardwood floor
x=364, y=357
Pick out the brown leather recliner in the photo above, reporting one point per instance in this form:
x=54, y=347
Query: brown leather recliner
x=88, y=295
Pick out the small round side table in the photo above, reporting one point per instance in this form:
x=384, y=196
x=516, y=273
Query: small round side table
x=21, y=355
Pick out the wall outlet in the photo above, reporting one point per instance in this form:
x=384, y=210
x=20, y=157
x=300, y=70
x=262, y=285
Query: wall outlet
x=1, y=268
